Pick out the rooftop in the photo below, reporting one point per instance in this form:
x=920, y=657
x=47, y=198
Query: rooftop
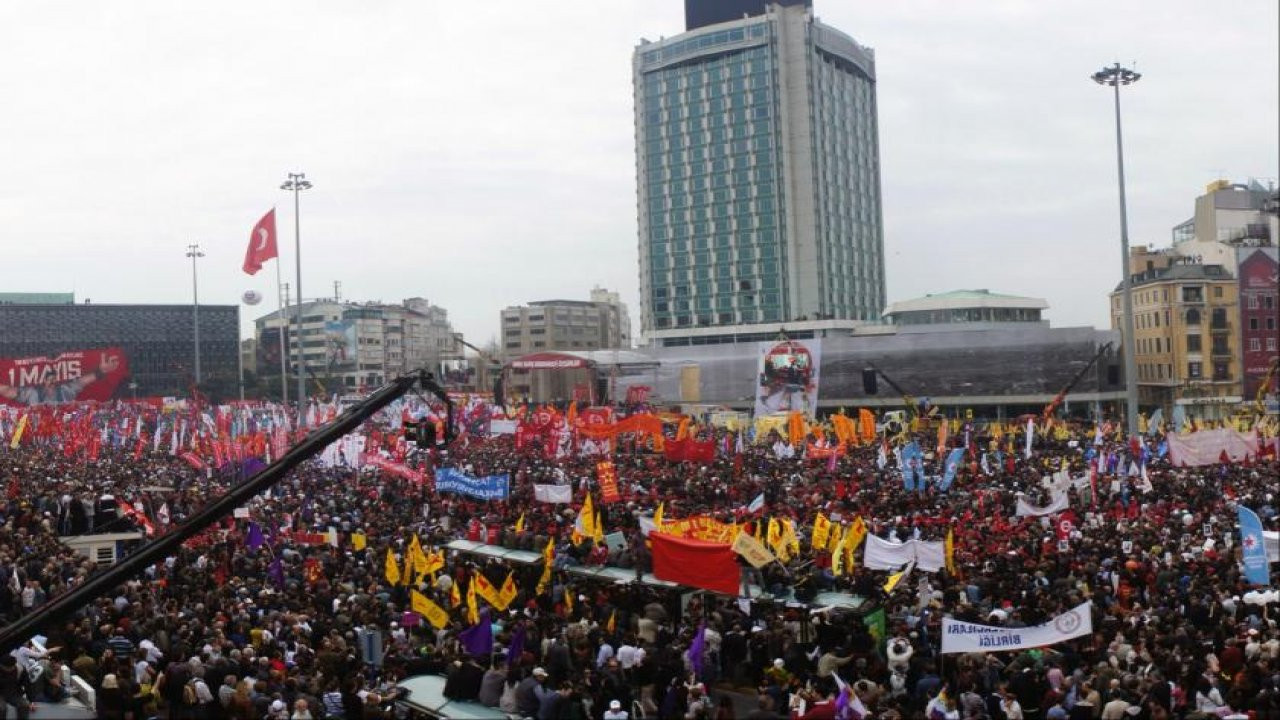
x=966, y=299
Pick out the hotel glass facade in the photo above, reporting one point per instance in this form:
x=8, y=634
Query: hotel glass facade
x=758, y=175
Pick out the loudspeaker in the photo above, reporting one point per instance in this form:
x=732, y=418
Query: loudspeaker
x=869, y=381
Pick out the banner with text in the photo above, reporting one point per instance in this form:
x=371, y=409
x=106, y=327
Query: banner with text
x=963, y=637
x=489, y=487
x=68, y=377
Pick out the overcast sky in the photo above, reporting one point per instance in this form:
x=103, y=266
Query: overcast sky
x=481, y=153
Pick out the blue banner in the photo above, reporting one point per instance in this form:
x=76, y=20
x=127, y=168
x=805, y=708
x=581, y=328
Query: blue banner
x=489, y=487
x=1253, y=549
x=953, y=464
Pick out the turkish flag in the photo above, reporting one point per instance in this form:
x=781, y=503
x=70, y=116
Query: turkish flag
x=262, y=243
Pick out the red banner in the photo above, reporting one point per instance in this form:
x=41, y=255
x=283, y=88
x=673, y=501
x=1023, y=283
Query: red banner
x=691, y=451
x=69, y=377
x=395, y=468
x=608, y=477
x=711, y=566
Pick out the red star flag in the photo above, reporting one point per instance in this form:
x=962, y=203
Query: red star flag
x=262, y=243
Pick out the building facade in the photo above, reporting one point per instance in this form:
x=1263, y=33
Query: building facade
x=1186, y=325
x=157, y=340
x=758, y=175
x=603, y=322
x=347, y=347
x=1259, y=277
x=965, y=309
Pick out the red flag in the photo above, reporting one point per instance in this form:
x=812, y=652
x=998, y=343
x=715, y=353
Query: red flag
x=262, y=243
x=712, y=566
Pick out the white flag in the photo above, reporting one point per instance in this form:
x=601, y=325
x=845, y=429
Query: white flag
x=553, y=493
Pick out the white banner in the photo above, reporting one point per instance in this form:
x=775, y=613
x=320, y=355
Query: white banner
x=1271, y=541
x=502, y=427
x=1060, y=503
x=1207, y=446
x=553, y=493
x=884, y=555
x=963, y=637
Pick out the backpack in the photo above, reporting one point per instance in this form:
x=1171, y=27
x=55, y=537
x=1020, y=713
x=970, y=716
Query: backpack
x=189, y=696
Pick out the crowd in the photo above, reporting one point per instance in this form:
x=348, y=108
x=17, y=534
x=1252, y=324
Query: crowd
x=268, y=615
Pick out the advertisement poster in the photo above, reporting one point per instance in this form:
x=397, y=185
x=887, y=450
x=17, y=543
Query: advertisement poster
x=69, y=377
x=339, y=343
x=787, y=376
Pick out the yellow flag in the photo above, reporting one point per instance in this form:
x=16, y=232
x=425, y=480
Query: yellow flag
x=473, y=612
x=422, y=605
x=852, y=539
x=949, y=547
x=568, y=600
x=359, y=541
x=417, y=556
x=392, y=569
x=17, y=433
x=752, y=549
x=548, y=560
x=774, y=534
x=455, y=596
x=435, y=561
x=897, y=577
x=520, y=524
x=486, y=590
x=837, y=552
x=508, y=593
x=837, y=535
x=586, y=525
x=612, y=625
x=821, y=531
x=789, y=536
x=657, y=517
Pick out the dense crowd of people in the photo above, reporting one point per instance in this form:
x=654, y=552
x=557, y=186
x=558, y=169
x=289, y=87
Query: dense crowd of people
x=268, y=615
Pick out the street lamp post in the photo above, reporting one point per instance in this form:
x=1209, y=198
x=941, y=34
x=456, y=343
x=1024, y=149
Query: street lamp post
x=1115, y=76
x=193, y=252
x=298, y=182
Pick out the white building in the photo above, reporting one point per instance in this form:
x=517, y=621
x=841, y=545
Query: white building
x=358, y=345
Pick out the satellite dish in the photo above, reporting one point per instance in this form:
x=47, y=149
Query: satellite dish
x=251, y=297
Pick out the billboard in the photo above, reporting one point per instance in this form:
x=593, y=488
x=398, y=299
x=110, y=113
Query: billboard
x=67, y=377
x=269, y=351
x=787, y=376
x=339, y=343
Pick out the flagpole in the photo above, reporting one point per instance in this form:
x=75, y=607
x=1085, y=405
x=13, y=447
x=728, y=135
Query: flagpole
x=282, y=328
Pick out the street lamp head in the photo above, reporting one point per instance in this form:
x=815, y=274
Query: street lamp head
x=304, y=184
x=1114, y=75
x=286, y=185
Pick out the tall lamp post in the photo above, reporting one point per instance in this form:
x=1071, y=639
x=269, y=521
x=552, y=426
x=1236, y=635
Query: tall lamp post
x=193, y=252
x=298, y=182
x=1115, y=76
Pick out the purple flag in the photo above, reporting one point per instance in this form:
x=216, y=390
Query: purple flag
x=253, y=539
x=252, y=466
x=517, y=646
x=276, y=572
x=697, y=648
x=478, y=639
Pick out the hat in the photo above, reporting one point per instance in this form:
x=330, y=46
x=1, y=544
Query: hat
x=277, y=705
x=539, y=672
x=778, y=663
x=615, y=705
x=109, y=682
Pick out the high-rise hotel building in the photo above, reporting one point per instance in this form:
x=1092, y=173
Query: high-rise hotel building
x=758, y=172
